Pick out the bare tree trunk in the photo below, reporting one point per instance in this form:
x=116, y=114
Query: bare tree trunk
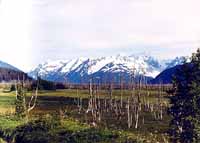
x=32, y=102
x=136, y=118
x=160, y=102
x=128, y=114
x=111, y=96
x=121, y=91
x=92, y=105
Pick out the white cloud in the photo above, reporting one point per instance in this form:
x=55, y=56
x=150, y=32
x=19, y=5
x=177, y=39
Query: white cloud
x=72, y=28
x=93, y=23
x=14, y=32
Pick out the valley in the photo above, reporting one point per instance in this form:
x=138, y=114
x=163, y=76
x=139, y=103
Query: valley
x=110, y=99
x=71, y=108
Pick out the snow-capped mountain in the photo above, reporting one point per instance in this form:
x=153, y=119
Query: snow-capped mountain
x=177, y=61
x=82, y=69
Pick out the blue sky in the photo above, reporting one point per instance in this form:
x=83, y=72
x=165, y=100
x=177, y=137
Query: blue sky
x=32, y=31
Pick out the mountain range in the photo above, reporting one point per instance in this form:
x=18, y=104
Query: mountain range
x=104, y=69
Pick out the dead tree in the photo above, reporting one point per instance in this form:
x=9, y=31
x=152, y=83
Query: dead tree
x=92, y=104
x=160, y=102
x=79, y=101
x=23, y=107
x=129, y=114
x=32, y=102
x=134, y=104
x=121, y=91
x=99, y=109
x=111, y=96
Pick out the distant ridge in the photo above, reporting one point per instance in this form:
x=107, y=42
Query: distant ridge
x=166, y=77
x=8, y=66
x=9, y=73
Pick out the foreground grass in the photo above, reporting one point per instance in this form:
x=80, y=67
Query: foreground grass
x=7, y=102
x=71, y=129
x=49, y=130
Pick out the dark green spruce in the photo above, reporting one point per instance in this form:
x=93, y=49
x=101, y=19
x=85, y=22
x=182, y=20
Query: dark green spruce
x=185, y=103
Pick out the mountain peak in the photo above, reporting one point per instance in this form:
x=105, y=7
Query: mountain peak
x=87, y=67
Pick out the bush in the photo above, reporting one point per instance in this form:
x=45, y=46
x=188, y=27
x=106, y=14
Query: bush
x=37, y=131
x=12, y=88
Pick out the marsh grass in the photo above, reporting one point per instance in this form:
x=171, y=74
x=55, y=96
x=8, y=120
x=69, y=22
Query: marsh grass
x=50, y=102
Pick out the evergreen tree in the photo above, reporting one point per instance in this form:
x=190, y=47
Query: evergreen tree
x=185, y=103
x=20, y=103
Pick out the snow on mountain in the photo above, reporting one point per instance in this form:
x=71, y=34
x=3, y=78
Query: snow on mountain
x=176, y=61
x=76, y=69
x=71, y=65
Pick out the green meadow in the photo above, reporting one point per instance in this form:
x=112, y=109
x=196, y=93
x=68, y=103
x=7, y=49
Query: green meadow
x=57, y=118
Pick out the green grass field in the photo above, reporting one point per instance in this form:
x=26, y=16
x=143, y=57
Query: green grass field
x=50, y=103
